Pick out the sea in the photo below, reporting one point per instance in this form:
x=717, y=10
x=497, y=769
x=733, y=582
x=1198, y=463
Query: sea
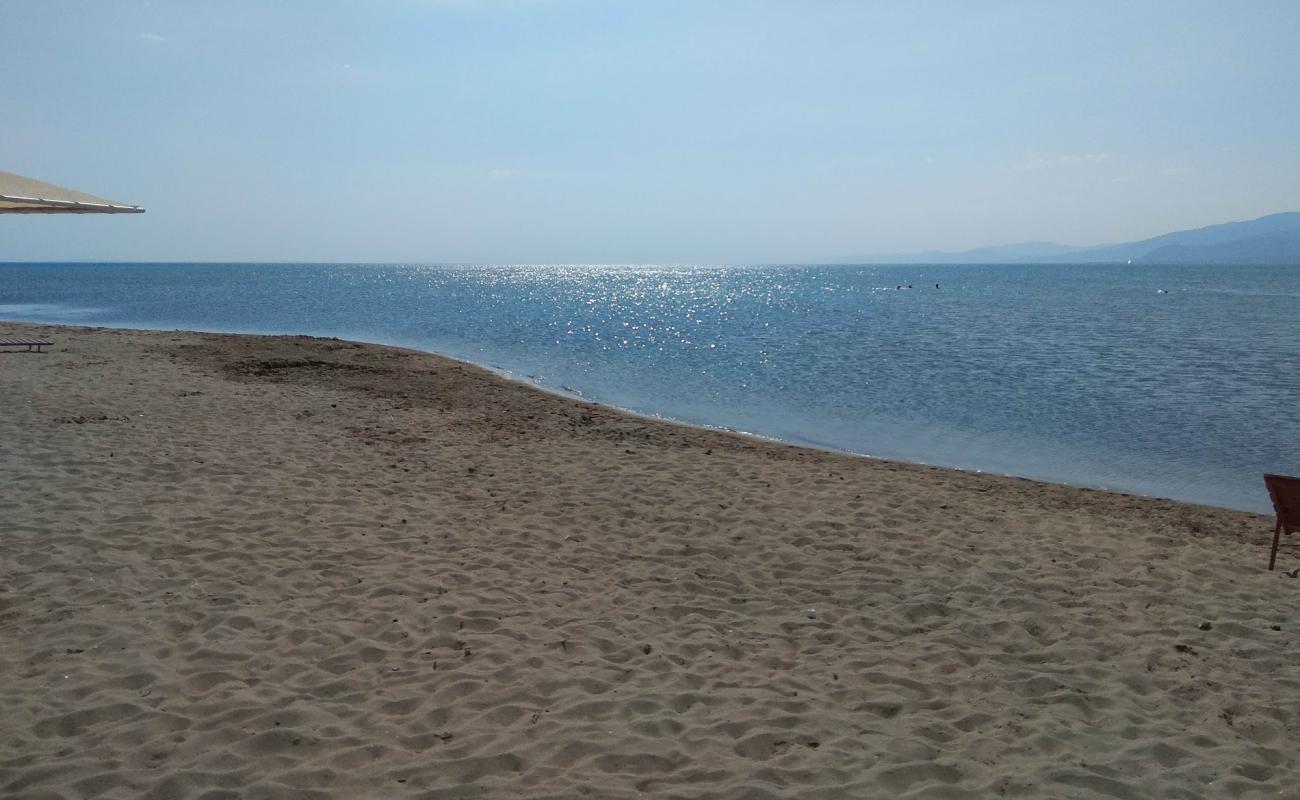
x=1178, y=382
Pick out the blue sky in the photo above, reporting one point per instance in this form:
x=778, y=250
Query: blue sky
x=552, y=131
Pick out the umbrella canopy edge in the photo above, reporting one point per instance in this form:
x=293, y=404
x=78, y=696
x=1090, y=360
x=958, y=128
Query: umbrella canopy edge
x=21, y=195
x=41, y=205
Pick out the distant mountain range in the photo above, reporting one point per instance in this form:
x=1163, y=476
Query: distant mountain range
x=1274, y=239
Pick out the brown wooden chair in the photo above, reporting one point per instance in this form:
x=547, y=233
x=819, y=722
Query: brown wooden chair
x=1285, y=492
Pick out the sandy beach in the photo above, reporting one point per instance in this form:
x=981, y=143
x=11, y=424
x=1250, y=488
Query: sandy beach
x=288, y=567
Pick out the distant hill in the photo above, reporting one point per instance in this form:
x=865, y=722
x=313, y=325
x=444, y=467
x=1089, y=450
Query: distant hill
x=1274, y=239
x=995, y=254
x=1282, y=247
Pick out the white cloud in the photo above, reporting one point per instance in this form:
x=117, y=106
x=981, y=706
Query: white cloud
x=1034, y=160
x=151, y=37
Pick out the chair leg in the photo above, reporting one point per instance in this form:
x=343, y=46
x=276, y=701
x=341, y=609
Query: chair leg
x=1277, y=535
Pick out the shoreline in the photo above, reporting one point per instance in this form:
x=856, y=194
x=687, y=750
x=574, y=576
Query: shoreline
x=575, y=396
x=244, y=565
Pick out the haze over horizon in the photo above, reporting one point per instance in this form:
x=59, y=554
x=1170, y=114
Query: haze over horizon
x=536, y=131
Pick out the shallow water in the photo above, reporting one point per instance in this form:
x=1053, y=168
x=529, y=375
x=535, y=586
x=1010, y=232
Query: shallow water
x=1180, y=382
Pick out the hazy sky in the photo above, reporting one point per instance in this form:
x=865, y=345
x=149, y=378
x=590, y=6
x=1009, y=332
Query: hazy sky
x=528, y=130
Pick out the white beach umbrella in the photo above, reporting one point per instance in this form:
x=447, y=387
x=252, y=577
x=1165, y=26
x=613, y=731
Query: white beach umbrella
x=19, y=195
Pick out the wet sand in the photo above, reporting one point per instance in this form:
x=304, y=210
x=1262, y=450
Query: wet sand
x=269, y=567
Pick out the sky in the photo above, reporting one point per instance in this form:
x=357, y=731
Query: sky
x=548, y=131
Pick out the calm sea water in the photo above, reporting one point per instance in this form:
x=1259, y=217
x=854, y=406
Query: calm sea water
x=1180, y=382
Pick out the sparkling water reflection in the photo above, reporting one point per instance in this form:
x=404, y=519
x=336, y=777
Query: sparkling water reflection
x=1179, y=382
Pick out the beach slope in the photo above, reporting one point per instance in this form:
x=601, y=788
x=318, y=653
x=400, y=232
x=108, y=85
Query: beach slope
x=247, y=566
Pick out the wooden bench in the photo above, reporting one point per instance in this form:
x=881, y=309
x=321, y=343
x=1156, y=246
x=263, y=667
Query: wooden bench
x=28, y=343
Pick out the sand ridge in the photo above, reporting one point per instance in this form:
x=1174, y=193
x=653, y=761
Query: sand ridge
x=240, y=566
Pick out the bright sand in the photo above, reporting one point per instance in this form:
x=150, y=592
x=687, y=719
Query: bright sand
x=240, y=566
